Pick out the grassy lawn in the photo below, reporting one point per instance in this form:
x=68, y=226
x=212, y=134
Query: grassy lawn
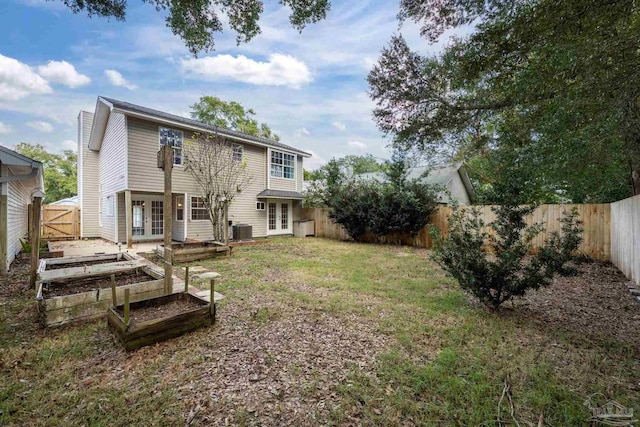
x=316, y=332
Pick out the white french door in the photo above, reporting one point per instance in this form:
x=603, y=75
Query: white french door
x=279, y=217
x=147, y=215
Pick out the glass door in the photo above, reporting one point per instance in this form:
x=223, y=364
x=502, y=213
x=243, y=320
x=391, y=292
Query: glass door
x=279, y=219
x=147, y=217
x=157, y=218
x=138, y=218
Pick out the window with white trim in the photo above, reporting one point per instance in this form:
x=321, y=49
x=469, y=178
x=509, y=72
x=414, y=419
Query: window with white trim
x=172, y=138
x=260, y=206
x=282, y=165
x=238, y=151
x=180, y=208
x=199, y=212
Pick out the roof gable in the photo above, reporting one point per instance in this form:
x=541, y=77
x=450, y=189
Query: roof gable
x=106, y=105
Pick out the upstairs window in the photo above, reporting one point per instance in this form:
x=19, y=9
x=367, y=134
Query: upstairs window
x=237, y=152
x=282, y=165
x=172, y=138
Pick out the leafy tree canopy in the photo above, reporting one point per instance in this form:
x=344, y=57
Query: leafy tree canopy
x=60, y=179
x=197, y=21
x=351, y=164
x=546, y=89
x=230, y=115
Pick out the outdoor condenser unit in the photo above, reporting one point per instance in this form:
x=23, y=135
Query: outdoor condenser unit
x=242, y=232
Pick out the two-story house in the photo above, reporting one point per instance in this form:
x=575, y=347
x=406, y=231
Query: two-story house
x=118, y=176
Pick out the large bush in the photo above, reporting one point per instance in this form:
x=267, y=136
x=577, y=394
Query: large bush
x=392, y=205
x=496, y=266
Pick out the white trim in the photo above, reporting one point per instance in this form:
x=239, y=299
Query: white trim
x=279, y=230
x=264, y=206
x=268, y=168
x=295, y=166
x=198, y=128
x=80, y=175
x=186, y=216
x=126, y=152
x=191, y=208
x=115, y=215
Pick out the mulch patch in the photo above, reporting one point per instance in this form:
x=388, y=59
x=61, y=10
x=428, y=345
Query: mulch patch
x=144, y=314
x=79, y=264
x=595, y=305
x=51, y=290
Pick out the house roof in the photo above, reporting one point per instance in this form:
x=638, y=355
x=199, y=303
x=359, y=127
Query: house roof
x=439, y=175
x=22, y=167
x=13, y=158
x=101, y=116
x=280, y=194
x=68, y=201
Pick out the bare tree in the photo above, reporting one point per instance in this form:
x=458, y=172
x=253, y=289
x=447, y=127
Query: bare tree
x=219, y=168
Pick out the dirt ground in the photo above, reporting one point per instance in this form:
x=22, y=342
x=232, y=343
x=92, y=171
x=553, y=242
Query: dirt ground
x=321, y=339
x=144, y=314
x=594, y=304
x=55, y=289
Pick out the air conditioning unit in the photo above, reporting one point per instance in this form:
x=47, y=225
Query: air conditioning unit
x=242, y=232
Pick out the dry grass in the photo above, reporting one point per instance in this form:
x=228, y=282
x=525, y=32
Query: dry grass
x=320, y=332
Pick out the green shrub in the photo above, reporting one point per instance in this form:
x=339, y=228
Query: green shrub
x=395, y=205
x=495, y=267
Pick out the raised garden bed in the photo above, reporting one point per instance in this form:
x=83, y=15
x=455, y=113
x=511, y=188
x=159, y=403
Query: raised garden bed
x=195, y=251
x=82, y=261
x=84, y=292
x=159, y=319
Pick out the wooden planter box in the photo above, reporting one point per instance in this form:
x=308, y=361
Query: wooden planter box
x=195, y=251
x=136, y=335
x=75, y=261
x=58, y=310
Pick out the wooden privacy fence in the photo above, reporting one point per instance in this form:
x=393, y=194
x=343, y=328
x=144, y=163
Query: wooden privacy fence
x=60, y=222
x=596, y=218
x=625, y=237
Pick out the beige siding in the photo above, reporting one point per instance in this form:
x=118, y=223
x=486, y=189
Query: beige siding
x=112, y=171
x=18, y=200
x=458, y=190
x=88, y=178
x=145, y=176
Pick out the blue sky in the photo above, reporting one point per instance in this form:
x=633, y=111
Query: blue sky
x=309, y=87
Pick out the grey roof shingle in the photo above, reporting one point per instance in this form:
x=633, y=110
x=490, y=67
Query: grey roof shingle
x=280, y=194
x=126, y=106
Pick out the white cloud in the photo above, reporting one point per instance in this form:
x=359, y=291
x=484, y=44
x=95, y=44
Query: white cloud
x=280, y=70
x=340, y=126
x=17, y=80
x=357, y=144
x=68, y=144
x=44, y=127
x=64, y=73
x=314, y=162
x=5, y=129
x=302, y=132
x=118, y=79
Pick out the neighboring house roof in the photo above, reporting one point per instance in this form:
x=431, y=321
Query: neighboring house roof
x=68, y=201
x=280, y=194
x=22, y=167
x=105, y=105
x=438, y=175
